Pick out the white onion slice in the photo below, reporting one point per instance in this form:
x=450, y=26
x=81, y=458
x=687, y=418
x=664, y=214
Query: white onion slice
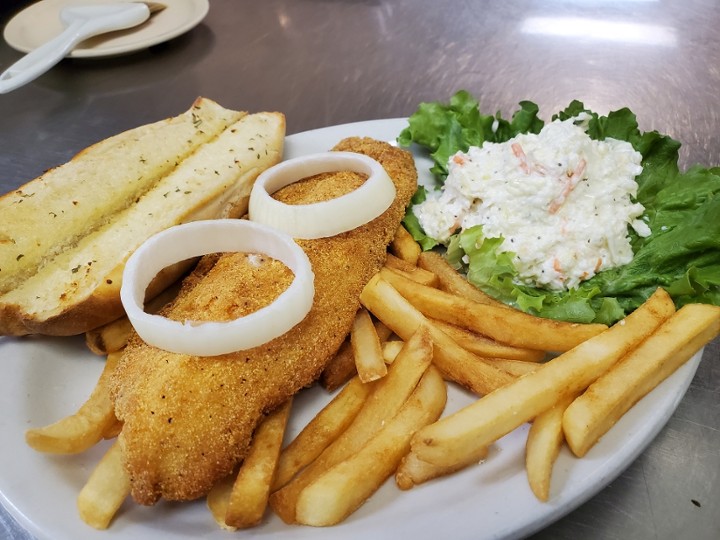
x=325, y=218
x=200, y=238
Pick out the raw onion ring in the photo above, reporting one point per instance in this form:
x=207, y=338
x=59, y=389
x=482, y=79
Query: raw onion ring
x=200, y=238
x=325, y=218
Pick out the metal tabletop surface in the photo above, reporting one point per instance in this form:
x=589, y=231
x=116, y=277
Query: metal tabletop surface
x=325, y=62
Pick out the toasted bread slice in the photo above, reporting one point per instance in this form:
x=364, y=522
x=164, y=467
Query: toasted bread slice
x=65, y=236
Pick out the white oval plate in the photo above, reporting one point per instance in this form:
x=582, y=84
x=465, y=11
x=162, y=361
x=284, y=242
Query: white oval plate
x=44, y=379
x=40, y=22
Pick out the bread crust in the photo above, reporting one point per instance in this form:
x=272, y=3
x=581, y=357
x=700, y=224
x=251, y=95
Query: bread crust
x=83, y=301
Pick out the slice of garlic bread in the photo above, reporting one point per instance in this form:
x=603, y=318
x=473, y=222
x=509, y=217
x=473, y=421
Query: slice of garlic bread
x=64, y=237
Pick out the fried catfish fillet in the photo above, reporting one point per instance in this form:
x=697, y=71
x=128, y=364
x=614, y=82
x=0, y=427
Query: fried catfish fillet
x=188, y=420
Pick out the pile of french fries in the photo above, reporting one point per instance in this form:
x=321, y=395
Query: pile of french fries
x=421, y=327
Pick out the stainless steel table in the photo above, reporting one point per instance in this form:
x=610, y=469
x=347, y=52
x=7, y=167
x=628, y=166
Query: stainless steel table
x=324, y=63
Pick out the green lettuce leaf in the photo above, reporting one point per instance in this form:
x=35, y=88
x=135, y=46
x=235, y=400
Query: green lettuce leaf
x=445, y=130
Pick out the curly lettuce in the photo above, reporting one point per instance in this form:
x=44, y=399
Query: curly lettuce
x=681, y=255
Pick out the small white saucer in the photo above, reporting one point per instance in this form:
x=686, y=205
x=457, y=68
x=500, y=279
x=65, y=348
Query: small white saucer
x=40, y=22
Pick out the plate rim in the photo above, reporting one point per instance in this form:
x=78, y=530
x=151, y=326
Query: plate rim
x=103, y=51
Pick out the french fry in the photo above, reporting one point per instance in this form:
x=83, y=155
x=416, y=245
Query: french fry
x=417, y=275
x=342, y=489
x=391, y=349
x=400, y=264
x=342, y=366
x=516, y=368
x=322, y=430
x=385, y=400
x=593, y=413
x=404, y=246
x=451, y=281
x=109, y=338
x=250, y=492
x=544, y=441
x=454, y=362
x=366, y=348
x=502, y=324
x=218, y=499
x=450, y=439
x=83, y=429
x=113, y=430
x=106, y=489
x=413, y=471
x=486, y=347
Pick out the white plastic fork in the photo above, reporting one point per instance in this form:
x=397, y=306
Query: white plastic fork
x=81, y=23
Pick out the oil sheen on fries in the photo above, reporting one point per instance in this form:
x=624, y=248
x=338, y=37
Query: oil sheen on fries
x=452, y=438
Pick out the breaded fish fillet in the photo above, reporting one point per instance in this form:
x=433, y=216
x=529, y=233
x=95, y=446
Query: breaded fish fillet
x=188, y=420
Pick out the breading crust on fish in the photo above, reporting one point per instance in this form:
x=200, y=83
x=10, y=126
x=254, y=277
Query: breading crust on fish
x=188, y=420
